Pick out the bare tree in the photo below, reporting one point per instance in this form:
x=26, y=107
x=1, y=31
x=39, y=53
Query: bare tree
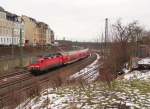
x=121, y=49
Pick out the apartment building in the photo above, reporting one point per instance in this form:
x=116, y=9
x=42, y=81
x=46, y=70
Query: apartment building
x=41, y=33
x=33, y=32
x=36, y=33
x=10, y=25
x=30, y=30
x=49, y=36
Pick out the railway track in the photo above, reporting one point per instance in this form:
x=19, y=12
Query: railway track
x=88, y=74
x=12, y=74
x=22, y=82
x=13, y=78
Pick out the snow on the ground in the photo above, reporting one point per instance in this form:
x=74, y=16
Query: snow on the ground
x=125, y=70
x=93, y=96
x=140, y=75
x=97, y=95
x=89, y=73
x=145, y=61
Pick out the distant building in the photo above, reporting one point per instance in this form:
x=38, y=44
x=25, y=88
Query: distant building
x=37, y=33
x=41, y=31
x=48, y=36
x=10, y=25
x=30, y=30
x=52, y=37
x=144, y=51
x=33, y=32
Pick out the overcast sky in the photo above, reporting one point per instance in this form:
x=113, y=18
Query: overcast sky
x=80, y=20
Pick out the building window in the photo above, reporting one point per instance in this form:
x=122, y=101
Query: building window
x=4, y=40
x=14, y=40
x=1, y=40
x=7, y=40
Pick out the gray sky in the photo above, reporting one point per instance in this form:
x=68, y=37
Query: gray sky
x=80, y=20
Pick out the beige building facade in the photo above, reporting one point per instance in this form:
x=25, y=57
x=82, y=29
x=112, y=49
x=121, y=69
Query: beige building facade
x=36, y=33
x=30, y=30
x=41, y=33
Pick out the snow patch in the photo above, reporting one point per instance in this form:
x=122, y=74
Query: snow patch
x=89, y=73
x=144, y=61
x=137, y=75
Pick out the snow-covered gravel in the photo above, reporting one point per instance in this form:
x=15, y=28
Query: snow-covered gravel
x=141, y=75
x=89, y=73
x=93, y=96
x=144, y=61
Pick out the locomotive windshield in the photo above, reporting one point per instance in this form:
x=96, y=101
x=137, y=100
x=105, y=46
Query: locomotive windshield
x=34, y=60
x=52, y=55
x=47, y=56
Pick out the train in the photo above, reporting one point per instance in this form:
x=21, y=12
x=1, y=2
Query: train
x=54, y=60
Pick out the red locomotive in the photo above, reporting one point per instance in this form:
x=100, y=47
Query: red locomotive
x=57, y=59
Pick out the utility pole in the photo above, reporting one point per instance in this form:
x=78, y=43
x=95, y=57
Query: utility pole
x=21, y=49
x=106, y=37
x=102, y=42
x=106, y=31
x=12, y=44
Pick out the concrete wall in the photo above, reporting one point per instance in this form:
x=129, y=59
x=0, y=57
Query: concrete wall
x=6, y=65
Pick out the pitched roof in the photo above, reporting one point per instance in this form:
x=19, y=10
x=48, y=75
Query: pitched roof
x=2, y=9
